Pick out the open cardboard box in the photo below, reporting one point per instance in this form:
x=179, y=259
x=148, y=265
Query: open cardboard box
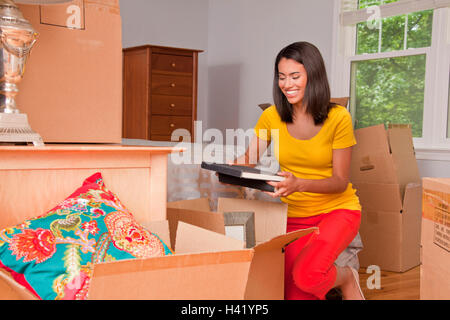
x=207, y=265
x=266, y=275
x=385, y=174
x=270, y=217
x=435, y=240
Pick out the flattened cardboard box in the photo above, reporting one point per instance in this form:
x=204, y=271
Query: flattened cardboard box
x=435, y=240
x=385, y=174
x=72, y=86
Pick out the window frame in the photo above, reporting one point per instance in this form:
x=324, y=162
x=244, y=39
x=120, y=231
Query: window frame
x=434, y=144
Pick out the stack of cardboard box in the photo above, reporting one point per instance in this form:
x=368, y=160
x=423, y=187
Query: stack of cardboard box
x=385, y=174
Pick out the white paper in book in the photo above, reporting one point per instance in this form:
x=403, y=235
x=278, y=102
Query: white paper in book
x=242, y=171
x=261, y=176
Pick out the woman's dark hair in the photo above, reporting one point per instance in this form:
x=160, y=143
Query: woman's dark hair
x=317, y=92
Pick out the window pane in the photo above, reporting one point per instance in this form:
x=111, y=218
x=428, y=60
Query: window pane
x=393, y=33
x=419, y=29
x=389, y=34
x=367, y=3
x=367, y=38
x=389, y=91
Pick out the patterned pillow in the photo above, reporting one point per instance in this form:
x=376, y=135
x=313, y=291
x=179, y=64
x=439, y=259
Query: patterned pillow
x=53, y=255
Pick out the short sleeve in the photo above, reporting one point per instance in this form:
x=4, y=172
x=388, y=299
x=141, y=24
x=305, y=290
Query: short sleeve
x=264, y=124
x=344, y=136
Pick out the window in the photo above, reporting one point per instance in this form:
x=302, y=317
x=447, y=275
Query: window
x=389, y=90
x=391, y=58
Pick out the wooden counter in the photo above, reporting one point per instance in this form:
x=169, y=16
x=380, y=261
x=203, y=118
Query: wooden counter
x=35, y=179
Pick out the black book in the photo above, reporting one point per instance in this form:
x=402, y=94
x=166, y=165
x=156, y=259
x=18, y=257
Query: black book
x=249, y=183
x=241, y=171
x=243, y=176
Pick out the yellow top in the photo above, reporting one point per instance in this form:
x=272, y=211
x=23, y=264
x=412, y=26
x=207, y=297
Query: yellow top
x=311, y=159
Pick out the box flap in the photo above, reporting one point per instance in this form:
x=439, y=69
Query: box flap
x=280, y=242
x=206, y=220
x=379, y=196
x=160, y=228
x=401, y=141
x=270, y=217
x=200, y=204
x=373, y=167
x=11, y=290
x=205, y=276
x=411, y=224
x=191, y=239
x=371, y=139
x=402, y=148
x=266, y=277
x=371, y=157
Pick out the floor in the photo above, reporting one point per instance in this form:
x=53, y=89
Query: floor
x=393, y=285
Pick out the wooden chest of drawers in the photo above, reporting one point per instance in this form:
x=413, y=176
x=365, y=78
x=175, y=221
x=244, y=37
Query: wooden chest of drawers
x=159, y=91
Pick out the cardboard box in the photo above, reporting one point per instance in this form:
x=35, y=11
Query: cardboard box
x=72, y=86
x=435, y=240
x=385, y=174
x=266, y=275
x=270, y=217
x=206, y=265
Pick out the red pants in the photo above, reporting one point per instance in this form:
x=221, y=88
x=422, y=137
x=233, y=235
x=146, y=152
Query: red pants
x=309, y=261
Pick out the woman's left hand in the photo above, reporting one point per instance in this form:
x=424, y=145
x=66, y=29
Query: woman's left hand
x=284, y=188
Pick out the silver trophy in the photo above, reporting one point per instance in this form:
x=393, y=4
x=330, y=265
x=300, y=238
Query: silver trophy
x=17, y=37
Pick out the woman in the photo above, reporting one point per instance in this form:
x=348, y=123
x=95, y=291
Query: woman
x=314, y=143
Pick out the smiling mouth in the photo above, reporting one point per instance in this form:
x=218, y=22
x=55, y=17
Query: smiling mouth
x=291, y=93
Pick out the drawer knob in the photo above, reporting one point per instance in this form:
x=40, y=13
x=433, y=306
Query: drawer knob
x=172, y=105
x=172, y=125
x=173, y=65
x=172, y=85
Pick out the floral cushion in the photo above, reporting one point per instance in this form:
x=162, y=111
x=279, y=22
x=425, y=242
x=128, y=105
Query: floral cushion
x=53, y=255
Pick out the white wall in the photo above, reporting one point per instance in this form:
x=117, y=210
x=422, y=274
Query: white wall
x=434, y=168
x=243, y=40
x=172, y=23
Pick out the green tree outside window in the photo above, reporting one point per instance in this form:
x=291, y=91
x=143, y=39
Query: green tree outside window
x=390, y=90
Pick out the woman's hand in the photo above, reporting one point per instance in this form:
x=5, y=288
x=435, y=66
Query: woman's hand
x=284, y=188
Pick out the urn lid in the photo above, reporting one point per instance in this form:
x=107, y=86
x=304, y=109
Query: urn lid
x=10, y=16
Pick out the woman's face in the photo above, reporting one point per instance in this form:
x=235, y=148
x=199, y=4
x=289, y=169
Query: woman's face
x=292, y=80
